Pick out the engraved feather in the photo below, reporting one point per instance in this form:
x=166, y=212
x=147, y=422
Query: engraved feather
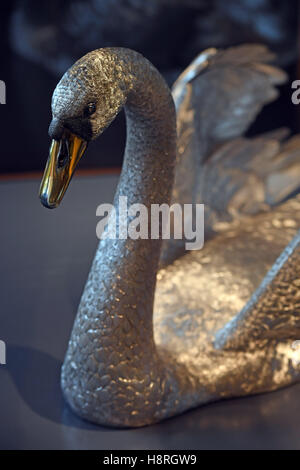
x=217, y=98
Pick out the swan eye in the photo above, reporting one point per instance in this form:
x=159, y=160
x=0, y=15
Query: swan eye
x=90, y=109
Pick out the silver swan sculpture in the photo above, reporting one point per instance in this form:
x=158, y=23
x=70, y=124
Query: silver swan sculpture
x=159, y=331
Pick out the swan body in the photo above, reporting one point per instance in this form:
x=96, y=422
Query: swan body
x=158, y=331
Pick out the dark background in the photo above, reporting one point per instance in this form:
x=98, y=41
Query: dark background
x=40, y=40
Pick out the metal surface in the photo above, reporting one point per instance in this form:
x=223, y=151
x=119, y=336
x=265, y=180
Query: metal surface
x=40, y=291
x=118, y=370
x=217, y=98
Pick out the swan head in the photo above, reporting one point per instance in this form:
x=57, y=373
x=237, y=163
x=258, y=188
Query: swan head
x=86, y=100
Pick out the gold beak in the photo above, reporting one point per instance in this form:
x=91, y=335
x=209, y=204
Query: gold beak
x=63, y=157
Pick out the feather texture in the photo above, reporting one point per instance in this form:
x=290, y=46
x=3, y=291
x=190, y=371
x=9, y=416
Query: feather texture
x=217, y=98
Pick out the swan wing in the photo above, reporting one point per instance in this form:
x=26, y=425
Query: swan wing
x=217, y=98
x=251, y=175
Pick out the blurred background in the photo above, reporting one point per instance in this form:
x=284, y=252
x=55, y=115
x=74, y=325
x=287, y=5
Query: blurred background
x=41, y=39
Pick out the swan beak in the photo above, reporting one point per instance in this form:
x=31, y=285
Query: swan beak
x=63, y=157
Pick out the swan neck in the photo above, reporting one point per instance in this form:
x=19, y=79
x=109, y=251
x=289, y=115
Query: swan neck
x=115, y=316
x=122, y=279
x=146, y=178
